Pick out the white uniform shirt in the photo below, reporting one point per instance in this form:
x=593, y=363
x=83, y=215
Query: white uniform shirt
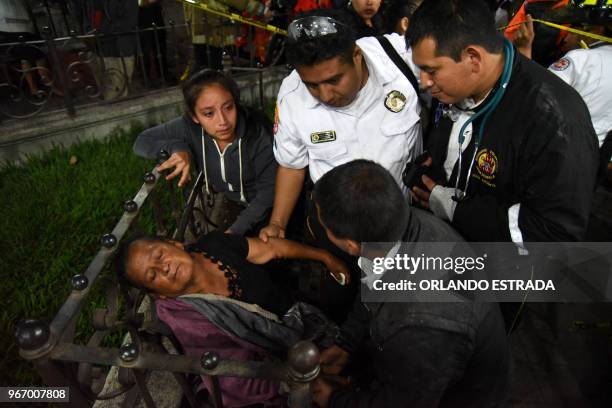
x=589, y=71
x=309, y=133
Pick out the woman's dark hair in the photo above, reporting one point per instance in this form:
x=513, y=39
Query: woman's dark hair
x=454, y=25
x=206, y=77
x=396, y=10
x=309, y=51
x=361, y=201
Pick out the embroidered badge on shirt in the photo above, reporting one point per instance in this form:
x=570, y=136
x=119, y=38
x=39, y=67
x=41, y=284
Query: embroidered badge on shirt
x=323, y=137
x=561, y=65
x=395, y=101
x=486, y=164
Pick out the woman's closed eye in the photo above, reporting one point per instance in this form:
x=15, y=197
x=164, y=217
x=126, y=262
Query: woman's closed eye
x=151, y=275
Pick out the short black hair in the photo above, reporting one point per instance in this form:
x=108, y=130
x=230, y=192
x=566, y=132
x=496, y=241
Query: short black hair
x=361, y=201
x=396, y=10
x=206, y=77
x=454, y=25
x=310, y=51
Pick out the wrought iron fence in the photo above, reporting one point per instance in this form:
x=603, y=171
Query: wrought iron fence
x=62, y=362
x=66, y=73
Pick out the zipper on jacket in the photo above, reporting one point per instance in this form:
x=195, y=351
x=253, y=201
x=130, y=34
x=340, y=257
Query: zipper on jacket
x=222, y=163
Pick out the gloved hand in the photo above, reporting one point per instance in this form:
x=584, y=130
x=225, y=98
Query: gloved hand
x=441, y=202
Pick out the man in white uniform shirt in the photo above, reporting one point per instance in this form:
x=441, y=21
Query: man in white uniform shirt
x=589, y=71
x=345, y=100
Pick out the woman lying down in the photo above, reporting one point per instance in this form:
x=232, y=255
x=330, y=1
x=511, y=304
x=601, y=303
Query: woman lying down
x=215, y=297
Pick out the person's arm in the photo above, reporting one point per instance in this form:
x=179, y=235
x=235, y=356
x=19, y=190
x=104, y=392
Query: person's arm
x=289, y=184
x=277, y=248
x=524, y=36
x=265, y=173
x=172, y=137
x=292, y=156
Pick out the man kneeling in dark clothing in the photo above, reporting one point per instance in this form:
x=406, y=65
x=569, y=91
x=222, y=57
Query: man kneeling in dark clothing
x=422, y=354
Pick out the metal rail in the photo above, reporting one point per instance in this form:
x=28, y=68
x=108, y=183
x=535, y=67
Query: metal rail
x=61, y=362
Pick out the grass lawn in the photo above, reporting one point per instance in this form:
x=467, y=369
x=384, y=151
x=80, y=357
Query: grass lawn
x=53, y=215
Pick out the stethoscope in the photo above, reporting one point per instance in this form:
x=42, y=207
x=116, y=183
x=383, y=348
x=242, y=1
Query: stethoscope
x=486, y=110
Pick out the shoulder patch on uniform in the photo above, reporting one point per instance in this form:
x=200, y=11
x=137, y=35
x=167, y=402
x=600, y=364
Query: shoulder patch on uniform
x=276, y=119
x=561, y=65
x=395, y=101
x=323, y=137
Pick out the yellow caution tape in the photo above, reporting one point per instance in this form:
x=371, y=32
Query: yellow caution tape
x=575, y=31
x=562, y=27
x=235, y=17
x=187, y=71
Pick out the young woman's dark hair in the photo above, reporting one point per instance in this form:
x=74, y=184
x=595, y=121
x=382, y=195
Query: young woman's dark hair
x=193, y=87
x=310, y=50
x=454, y=25
x=361, y=201
x=396, y=10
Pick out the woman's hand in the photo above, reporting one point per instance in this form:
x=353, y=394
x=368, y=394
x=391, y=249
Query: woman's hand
x=333, y=360
x=524, y=36
x=338, y=269
x=181, y=162
x=272, y=230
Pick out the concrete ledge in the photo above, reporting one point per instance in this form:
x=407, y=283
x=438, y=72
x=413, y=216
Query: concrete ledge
x=19, y=139
x=22, y=138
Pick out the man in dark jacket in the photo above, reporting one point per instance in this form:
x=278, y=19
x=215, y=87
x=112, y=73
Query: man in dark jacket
x=513, y=154
x=528, y=161
x=422, y=354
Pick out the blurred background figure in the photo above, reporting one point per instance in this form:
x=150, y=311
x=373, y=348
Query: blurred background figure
x=547, y=45
x=396, y=16
x=588, y=70
x=16, y=26
x=210, y=33
x=585, y=65
x=368, y=20
x=150, y=13
x=116, y=20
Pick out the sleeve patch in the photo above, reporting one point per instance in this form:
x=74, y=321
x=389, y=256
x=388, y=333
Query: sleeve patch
x=276, y=119
x=561, y=65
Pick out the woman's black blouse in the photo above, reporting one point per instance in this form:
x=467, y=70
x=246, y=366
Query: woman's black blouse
x=247, y=282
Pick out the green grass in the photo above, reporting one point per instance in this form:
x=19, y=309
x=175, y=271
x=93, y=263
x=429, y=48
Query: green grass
x=53, y=215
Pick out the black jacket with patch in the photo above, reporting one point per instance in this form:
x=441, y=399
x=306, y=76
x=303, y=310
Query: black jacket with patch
x=538, y=149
